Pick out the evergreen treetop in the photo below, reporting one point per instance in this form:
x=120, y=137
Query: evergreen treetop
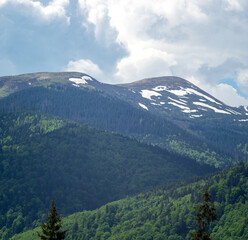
x=51, y=230
x=204, y=216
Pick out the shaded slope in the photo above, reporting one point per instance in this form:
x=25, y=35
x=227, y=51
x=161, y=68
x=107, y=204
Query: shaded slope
x=80, y=168
x=112, y=114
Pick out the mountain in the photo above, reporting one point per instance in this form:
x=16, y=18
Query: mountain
x=81, y=98
x=172, y=96
x=44, y=158
x=46, y=153
x=167, y=212
x=178, y=97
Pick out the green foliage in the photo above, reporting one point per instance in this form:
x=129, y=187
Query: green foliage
x=224, y=133
x=167, y=212
x=51, y=230
x=204, y=216
x=108, y=113
x=80, y=168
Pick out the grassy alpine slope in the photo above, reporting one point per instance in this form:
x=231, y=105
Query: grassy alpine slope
x=44, y=158
x=166, y=213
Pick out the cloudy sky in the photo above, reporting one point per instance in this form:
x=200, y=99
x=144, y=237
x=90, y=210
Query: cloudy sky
x=116, y=41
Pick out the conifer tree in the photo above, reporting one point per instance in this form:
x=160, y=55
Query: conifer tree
x=51, y=230
x=204, y=216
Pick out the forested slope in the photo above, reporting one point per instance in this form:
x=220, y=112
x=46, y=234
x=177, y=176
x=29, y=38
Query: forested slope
x=44, y=158
x=167, y=213
x=107, y=113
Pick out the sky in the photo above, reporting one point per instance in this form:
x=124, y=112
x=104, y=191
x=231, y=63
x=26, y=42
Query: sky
x=120, y=41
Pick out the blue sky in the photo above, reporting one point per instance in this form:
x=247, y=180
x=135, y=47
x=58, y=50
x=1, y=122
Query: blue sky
x=127, y=40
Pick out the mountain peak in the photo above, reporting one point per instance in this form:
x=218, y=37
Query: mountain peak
x=179, y=97
x=164, y=80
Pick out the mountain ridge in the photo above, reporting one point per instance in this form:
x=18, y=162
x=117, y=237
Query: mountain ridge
x=175, y=104
x=76, y=79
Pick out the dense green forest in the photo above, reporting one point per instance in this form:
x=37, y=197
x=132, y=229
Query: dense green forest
x=107, y=113
x=44, y=158
x=225, y=133
x=50, y=148
x=167, y=212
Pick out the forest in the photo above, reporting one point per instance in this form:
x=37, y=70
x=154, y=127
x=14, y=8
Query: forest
x=104, y=112
x=115, y=171
x=44, y=158
x=167, y=212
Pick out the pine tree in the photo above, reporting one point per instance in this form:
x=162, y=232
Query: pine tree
x=204, y=216
x=51, y=229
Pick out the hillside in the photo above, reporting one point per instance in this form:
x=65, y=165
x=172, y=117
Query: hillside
x=181, y=117
x=167, y=213
x=112, y=114
x=44, y=158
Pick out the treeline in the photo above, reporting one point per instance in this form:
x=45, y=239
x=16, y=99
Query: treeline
x=225, y=133
x=167, y=213
x=107, y=113
x=80, y=168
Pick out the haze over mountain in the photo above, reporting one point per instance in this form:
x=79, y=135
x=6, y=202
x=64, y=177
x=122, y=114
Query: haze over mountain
x=46, y=153
x=168, y=111
x=162, y=94
x=144, y=103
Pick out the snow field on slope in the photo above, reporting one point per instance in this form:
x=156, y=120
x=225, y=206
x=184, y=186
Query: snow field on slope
x=211, y=107
x=143, y=106
x=148, y=94
x=82, y=80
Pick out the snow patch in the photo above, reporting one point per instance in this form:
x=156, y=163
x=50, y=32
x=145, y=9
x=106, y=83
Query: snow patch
x=177, y=101
x=177, y=105
x=148, y=94
x=246, y=108
x=131, y=90
x=87, y=78
x=183, y=100
x=160, y=88
x=190, y=111
x=162, y=103
x=243, y=120
x=155, y=104
x=180, y=93
x=82, y=80
x=78, y=80
x=193, y=91
x=211, y=107
x=196, y=116
x=143, y=106
x=29, y=83
x=233, y=112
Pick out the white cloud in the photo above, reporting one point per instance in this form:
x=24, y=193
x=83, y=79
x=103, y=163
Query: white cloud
x=84, y=66
x=179, y=37
x=242, y=80
x=54, y=9
x=228, y=95
x=233, y=5
x=223, y=92
x=98, y=16
x=2, y=2
x=143, y=63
